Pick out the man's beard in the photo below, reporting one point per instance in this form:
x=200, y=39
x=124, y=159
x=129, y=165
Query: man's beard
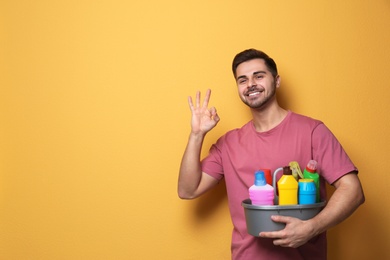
x=258, y=104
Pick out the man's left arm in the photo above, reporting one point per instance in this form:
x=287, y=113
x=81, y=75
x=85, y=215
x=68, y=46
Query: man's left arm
x=347, y=197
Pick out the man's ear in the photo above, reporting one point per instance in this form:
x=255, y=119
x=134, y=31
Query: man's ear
x=277, y=81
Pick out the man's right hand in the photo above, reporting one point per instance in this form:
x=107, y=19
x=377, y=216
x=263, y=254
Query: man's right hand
x=203, y=119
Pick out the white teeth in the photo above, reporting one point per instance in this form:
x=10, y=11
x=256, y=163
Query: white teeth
x=255, y=93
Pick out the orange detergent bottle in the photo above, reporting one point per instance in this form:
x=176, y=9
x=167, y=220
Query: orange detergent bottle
x=288, y=188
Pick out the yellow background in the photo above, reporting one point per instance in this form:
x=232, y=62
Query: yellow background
x=94, y=118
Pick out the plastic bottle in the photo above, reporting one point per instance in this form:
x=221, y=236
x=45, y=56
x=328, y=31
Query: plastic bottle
x=306, y=191
x=260, y=192
x=288, y=188
x=268, y=175
x=310, y=172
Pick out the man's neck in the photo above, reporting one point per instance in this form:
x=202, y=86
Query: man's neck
x=268, y=118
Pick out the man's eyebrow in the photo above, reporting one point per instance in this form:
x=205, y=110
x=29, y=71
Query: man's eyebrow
x=241, y=77
x=259, y=72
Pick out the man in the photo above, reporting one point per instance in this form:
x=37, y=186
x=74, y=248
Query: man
x=273, y=138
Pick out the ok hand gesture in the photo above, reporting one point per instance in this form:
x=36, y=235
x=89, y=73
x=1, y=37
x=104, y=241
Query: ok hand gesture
x=203, y=119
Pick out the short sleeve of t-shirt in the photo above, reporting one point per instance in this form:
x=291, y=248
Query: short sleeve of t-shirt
x=329, y=153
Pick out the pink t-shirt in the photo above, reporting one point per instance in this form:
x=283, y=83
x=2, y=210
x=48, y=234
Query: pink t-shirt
x=240, y=152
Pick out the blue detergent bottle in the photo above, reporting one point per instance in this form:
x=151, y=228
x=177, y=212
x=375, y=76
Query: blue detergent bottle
x=307, y=191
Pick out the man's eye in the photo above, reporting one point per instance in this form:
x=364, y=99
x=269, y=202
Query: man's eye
x=259, y=76
x=242, y=81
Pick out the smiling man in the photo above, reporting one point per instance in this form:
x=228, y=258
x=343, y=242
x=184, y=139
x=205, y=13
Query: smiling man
x=273, y=138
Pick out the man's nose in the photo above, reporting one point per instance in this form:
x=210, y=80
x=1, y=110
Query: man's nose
x=251, y=83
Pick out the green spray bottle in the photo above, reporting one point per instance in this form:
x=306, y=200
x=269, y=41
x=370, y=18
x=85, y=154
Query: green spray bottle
x=310, y=172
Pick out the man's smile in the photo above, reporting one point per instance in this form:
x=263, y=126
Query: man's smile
x=254, y=93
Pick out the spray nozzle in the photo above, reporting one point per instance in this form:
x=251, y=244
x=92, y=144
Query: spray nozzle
x=296, y=171
x=311, y=166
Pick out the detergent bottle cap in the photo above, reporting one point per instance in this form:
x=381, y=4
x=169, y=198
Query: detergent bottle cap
x=260, y=178
x=287, y=170
x=311, y=166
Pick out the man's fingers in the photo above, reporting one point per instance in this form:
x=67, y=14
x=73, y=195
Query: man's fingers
x=214, y=114
x=281, y=219
x=197, y=98
x=271, y=234
x=206, y=98
x=190, y=103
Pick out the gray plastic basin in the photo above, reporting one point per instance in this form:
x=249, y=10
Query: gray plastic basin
x=258, y=218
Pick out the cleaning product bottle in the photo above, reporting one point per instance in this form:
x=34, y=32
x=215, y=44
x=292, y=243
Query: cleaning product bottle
x=310, y=172
x=306, y=191
x=260, y=192
x=268, y=175
x=288, y=188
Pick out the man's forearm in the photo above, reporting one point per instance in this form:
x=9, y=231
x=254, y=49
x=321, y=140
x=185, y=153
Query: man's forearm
x=190, y=173
x=347, y=197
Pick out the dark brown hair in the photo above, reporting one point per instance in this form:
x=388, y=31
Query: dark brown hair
x=251, y=54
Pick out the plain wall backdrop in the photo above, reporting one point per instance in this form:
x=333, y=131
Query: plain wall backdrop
x=94, y=118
